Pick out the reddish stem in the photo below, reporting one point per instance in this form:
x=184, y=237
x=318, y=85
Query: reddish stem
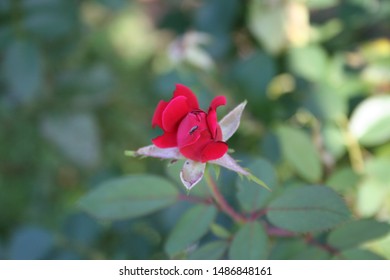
x=222, y=203
x=255, y=215
x=310, y=240
x=274, y=231
x=239, y=218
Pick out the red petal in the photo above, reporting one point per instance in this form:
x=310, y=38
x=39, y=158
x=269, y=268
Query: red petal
x=191, y=153
x=157, y=116
x=194, y=151
x=176, y=109
x=218, y=101
x=212, y=121
x=167, y=140
x=190, y=128
x=182, y=90
x=214, y=150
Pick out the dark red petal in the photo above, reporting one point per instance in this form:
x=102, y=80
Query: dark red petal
x=190, y=128
x=214, y=150
x=182, y=90
x=176, y=109
x=191, y=153
x=194, y=151
x=167, y=140
x=218, y=135
x=157, y=116
x=212, y=121
x=218, y=101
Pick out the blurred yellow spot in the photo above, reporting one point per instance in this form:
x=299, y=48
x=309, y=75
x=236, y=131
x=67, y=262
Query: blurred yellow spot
x=376, y=50
x=279, y=85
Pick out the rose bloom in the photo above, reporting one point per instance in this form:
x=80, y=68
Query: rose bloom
x=192, y=134
x=195, y=133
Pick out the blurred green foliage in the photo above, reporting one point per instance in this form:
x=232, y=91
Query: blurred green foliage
x=79, y=81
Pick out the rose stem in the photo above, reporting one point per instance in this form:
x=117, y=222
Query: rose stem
x=223, y=204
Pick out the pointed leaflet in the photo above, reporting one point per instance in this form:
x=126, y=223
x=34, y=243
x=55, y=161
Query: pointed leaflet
x=153, y=151
x=355, y=233
x=358, y=254
x=231, y=121
x=192, y=225
x=191, y=173
x=307, y=209
x=129, y=197
x=229, y=163
x=300, y=152
x=250, y=196
x=249, y=243
x=211, y=251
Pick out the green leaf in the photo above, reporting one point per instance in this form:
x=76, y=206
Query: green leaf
x=253, y=178
x=325, y=103
x=356, y=233
x=274, y=24
x=358, y=254
x=343, y=180
x=265, y=22
x=254, y=86
x=129, y=197
x=308, y=209
x=333, y=139
x=23, y=69
x=286, y=248
x=211, y=251
x=30, y=243
x=76, y=135
x=296, y=249
x=49, y=24
x=220, y=231
x=309, y=62
x=378, y=168
x=300, y=152
x=250, y=196
x=370, y=121
x=249, y=243
x=194, y=223
x=371, y=197
x=312, y=253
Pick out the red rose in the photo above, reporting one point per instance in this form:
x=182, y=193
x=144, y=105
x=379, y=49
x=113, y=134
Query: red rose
x=196, y=133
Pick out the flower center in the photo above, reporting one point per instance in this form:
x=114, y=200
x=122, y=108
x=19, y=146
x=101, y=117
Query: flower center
x=191, y=128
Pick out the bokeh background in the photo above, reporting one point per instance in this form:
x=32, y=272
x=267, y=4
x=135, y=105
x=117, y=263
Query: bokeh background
x=80, y=80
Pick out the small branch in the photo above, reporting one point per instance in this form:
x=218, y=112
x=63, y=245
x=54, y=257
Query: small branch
x=278, y=232
x=255, y=215
x=310, y=240
x=271, y=231
x=222, y=203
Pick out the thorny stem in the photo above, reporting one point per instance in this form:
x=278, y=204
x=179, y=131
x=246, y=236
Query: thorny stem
x=222, y=203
